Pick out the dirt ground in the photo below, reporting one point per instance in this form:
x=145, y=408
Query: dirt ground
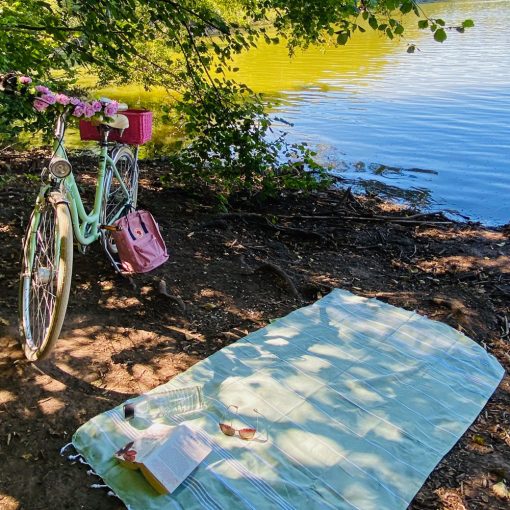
x=234, y=273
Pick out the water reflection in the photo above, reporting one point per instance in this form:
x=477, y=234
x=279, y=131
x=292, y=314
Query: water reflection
x=431, y=127
x=442, y=110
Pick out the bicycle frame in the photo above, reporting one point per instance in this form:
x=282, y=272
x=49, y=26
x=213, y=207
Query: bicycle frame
x=86, y=226
x=59, y=218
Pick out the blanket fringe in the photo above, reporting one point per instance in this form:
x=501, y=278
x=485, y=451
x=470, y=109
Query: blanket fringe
x=104, y=486
x=77, y=458
x=65, y=447
x=90, y=472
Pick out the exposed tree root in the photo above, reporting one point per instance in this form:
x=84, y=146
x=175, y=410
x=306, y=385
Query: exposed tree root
x=176, y=299
x=269, y=266
x=265, y=223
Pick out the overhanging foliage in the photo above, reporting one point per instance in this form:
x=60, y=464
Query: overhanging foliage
x=186, y=46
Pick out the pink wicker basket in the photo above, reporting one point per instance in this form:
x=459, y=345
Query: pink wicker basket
x=138, y=132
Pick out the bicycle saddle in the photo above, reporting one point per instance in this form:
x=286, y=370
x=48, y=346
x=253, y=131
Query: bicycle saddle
x=119, y=122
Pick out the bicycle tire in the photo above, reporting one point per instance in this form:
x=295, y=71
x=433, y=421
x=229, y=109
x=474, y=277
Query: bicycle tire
x=50, y=237
x=113, y=197
x=114, y=200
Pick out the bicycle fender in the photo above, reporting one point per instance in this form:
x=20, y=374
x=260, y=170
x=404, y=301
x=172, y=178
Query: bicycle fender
x=55, y=198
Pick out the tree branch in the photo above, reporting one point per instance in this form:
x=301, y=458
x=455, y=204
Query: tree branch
x=49, y=29
x=196, y=15
x=35, y=28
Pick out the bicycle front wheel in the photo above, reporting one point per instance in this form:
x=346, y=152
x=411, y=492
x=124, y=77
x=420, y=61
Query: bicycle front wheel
x=45, y=279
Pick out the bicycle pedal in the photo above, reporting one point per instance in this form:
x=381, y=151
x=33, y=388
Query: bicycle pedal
x=110, y=228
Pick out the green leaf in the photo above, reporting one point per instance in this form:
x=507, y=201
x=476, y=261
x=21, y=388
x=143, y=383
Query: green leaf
x=406, y=7
x=372, y=21
x=423, y=23
x=399, y=30
x=440, y=22
x=440, y=35
x=411, y=48
x=468, y=23
x=342, y=38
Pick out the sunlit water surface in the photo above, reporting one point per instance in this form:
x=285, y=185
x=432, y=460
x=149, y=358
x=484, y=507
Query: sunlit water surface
x=430, y=128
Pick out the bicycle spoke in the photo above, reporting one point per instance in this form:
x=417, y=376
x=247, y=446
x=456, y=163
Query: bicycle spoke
x=43, y=276
x=116, y=198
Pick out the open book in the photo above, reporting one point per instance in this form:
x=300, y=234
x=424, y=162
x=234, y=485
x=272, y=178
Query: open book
x=165, y=455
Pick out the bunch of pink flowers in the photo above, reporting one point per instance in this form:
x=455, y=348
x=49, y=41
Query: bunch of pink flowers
x=46, y=99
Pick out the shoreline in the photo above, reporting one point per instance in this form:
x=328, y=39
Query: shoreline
x=32, y=161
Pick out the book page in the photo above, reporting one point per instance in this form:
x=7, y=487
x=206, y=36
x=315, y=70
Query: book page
x=171, y=462
x=147, y=440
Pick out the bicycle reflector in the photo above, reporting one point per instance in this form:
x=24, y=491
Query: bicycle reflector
x=60, y=167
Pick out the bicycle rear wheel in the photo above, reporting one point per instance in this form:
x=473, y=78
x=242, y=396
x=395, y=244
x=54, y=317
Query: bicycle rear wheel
x=45, y=279
x=115, y=199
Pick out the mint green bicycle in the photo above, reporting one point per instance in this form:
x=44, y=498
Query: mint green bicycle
x=59, y=216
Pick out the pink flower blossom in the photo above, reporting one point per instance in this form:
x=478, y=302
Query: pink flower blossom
x=111, y=109
x=39, y=105
x=97, y=106
x=89, y=110
x=78, y=111
x=75, y=101
x=62, y=99
x=42, y=89
x=48, y=98
x=25, y=80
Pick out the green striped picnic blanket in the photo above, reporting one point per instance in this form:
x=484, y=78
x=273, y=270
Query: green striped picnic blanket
x=361, y=400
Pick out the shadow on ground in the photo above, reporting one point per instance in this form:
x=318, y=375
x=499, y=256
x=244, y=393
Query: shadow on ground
x=234, y=274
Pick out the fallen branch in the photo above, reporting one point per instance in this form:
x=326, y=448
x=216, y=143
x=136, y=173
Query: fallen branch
x=411, y=220
x=349, y=196
x=503, y=291
x=388, y=219
x=375, y=216
x=231, y=335
x=300, y=232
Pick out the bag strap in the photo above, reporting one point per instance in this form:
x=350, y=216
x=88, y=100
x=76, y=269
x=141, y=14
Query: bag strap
x=144, y=227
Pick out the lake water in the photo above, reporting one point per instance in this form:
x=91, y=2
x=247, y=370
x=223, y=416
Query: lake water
x=431, y=128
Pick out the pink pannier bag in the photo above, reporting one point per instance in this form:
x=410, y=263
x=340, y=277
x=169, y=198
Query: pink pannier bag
x=139, y=243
